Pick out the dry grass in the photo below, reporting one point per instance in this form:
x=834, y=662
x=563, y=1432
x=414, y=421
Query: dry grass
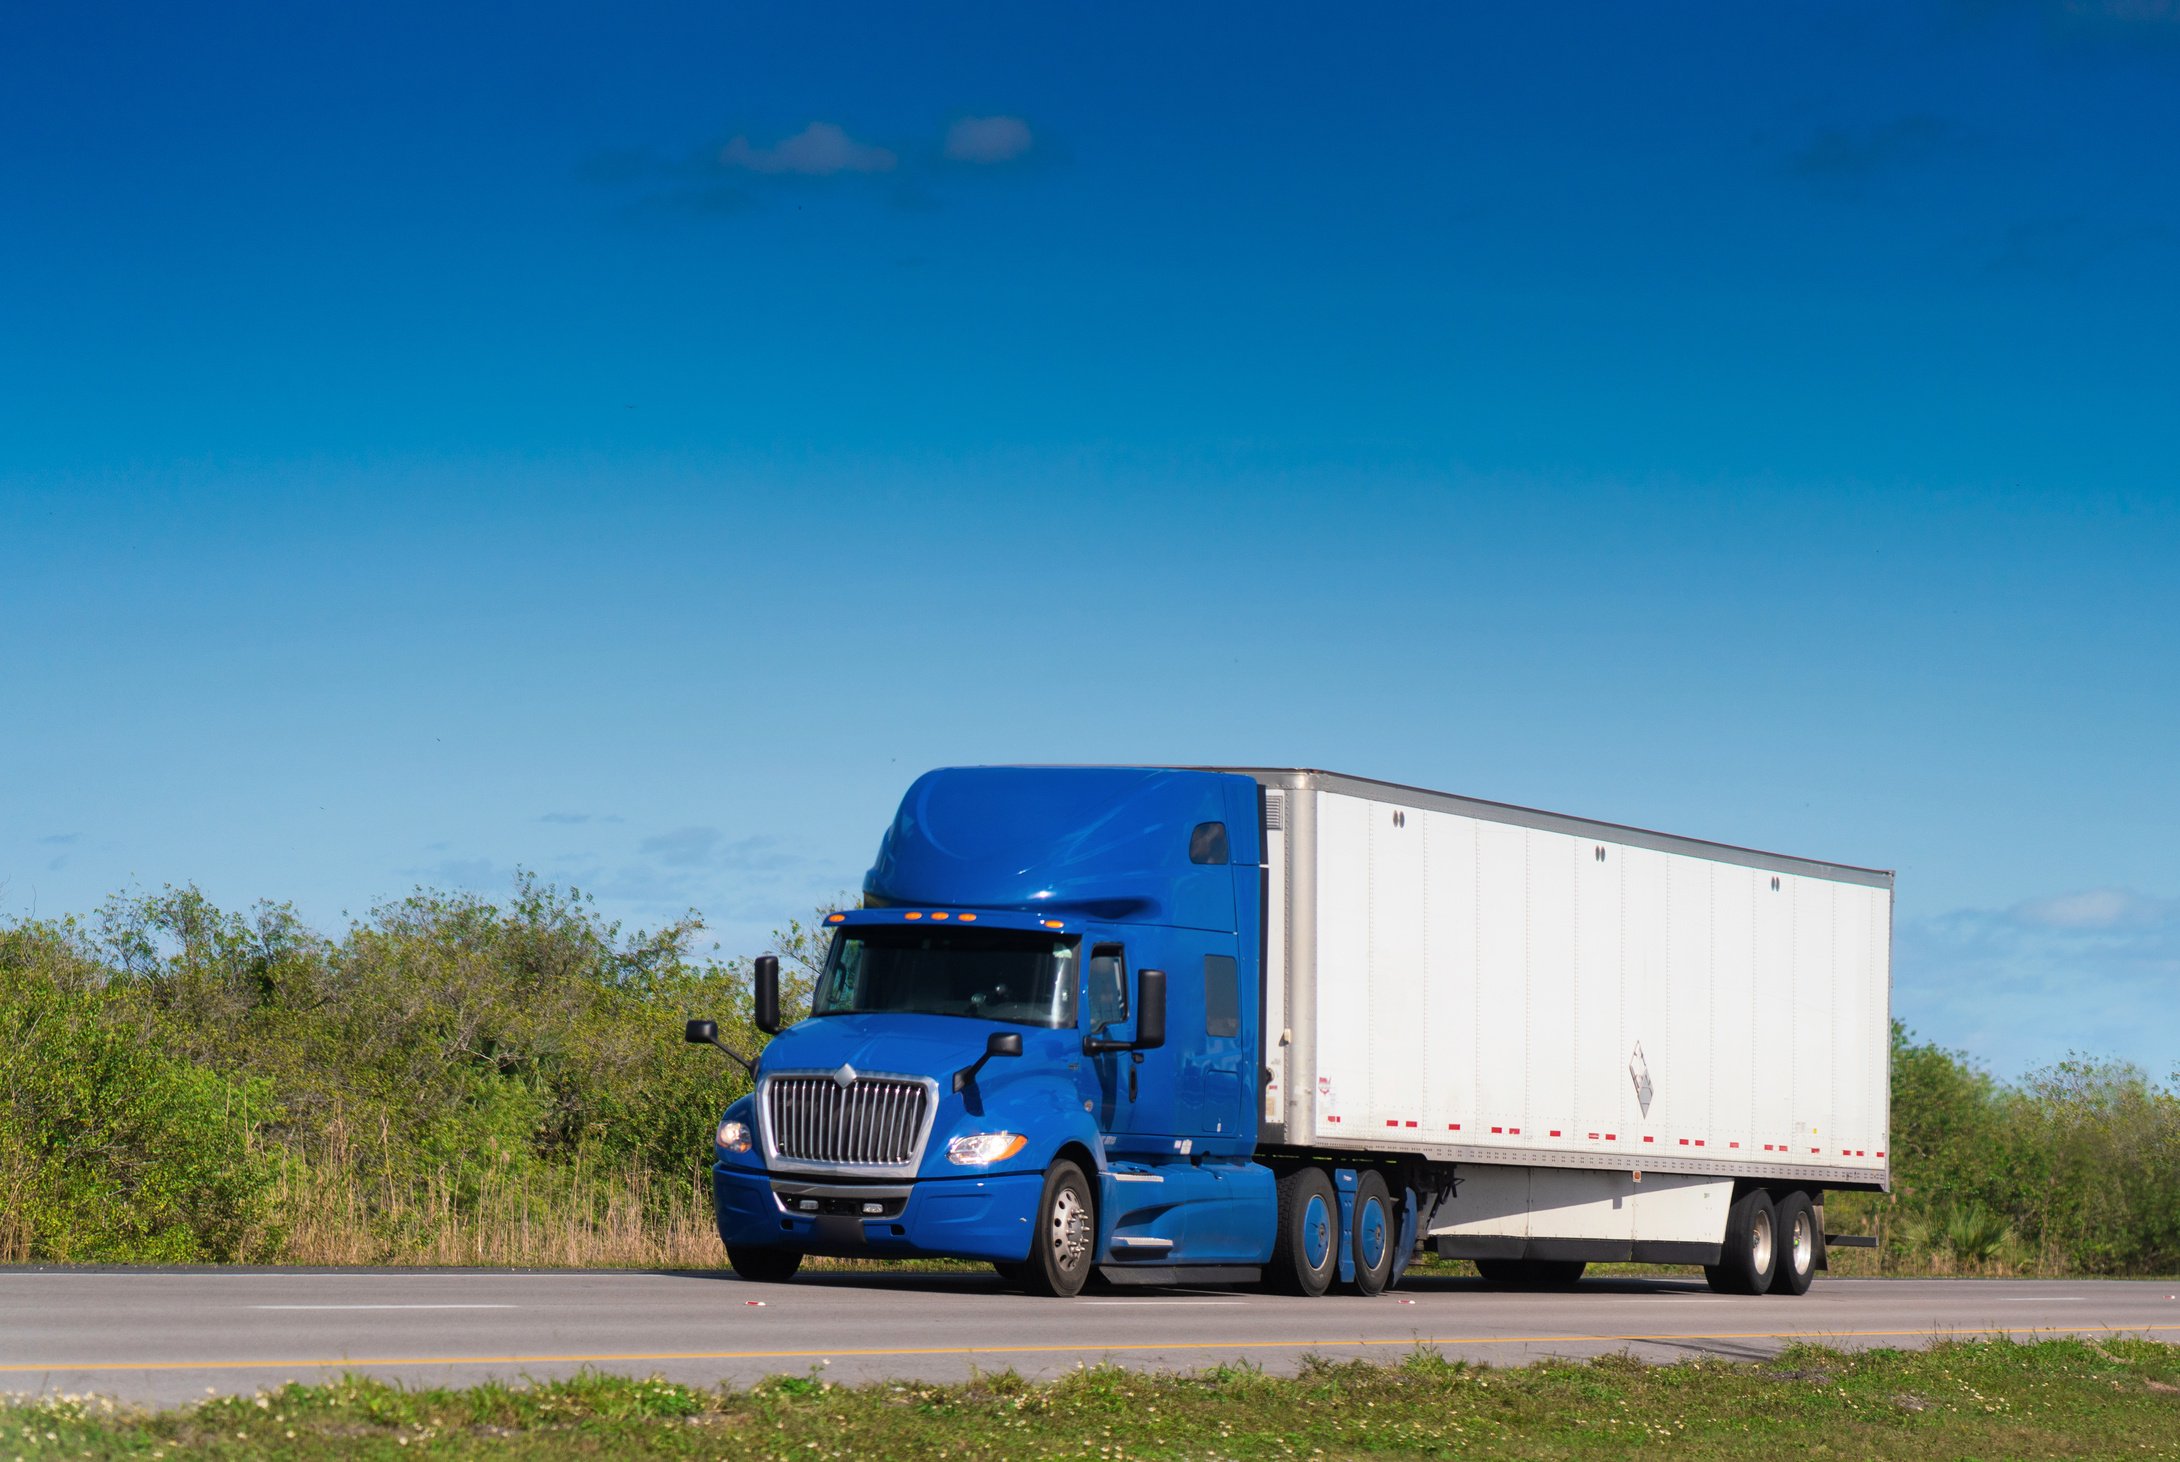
x=569, y=1219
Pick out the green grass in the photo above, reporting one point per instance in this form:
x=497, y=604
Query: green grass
x=2058, y=1398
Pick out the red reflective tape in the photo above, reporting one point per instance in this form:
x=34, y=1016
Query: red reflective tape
x=1612, y=1137
x=1860, y=1153
x=1555, y=1131
x=1453, y=1126
x=1390, y=1122
x=1684, y=1142
x=1699, y=1142
x=1818, y=1150
x=1411, y=1124
x=1514, y=1131
x=1498, y=1129
x=1733, y=1144
x=1650, y=1139
x=1593, y=1137
x=1880, y=1152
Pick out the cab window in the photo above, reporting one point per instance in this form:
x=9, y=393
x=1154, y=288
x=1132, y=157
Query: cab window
x=1108, y=979
x=1222, y=997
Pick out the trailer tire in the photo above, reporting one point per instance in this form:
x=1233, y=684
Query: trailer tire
x=1798, y=1240
x=1065, y=1241
x=1374, y=1234
x=1532, y=1273
x=1751, y=1252
x=765, y=1266
x=1306, y=1253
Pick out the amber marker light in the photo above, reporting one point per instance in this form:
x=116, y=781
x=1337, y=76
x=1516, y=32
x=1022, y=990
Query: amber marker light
x=1054, y=924
x=938, y=916
x=834, y=918
x=966, y=918
x=912, y=916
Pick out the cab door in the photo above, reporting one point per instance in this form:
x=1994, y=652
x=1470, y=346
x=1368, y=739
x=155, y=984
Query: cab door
x=1130, y=1093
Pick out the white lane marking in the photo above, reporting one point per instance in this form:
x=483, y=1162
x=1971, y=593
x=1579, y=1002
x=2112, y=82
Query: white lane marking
x=2057, y=1299
x=1165, y=1302
x=385, y=1307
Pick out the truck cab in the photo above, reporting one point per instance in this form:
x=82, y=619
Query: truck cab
x=1036, y=1044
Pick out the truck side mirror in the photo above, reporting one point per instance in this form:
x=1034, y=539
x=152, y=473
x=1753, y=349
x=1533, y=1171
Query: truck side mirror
x=998, y=1043
x=767, y=1010
x=706, y=1033
x=1150, y=1009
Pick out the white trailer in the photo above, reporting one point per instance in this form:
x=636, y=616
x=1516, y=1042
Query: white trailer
x=1628, y=1045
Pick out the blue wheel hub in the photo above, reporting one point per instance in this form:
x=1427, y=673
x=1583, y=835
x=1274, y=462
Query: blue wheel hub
x=1316, y=1231
x=1371, y=1233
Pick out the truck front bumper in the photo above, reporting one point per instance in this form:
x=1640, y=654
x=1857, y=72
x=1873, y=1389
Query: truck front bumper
x=988, y=1218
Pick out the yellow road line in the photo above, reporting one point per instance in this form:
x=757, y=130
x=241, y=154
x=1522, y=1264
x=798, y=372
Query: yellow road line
x=1647, y=1337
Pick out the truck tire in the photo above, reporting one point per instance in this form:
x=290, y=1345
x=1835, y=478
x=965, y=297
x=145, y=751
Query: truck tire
x=1751, y=1253
x=1532, y=1273
x=1798, y=1240
x=765, y=1266
x=1375, y=1233
x=1306, y=1253
x=1065, y=1241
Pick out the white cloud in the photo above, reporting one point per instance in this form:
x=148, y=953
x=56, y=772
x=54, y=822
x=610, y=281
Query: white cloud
x=818, y=150
x=684, y=847
x=2096, y=908
x=2096, y=971
x=988, y=139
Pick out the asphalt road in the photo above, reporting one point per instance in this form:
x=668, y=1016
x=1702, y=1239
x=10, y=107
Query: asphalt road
x=164, y=1336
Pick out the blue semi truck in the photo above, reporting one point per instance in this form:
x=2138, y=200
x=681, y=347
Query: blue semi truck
x=1180, y=1025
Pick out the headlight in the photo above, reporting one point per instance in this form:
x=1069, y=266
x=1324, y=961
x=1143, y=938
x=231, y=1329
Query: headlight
x=734, y=1136
x=979, y=1149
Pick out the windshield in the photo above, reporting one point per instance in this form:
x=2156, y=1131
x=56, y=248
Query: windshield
x=987, y=974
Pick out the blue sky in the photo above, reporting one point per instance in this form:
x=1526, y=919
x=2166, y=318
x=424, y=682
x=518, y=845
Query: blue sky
x=632, y=446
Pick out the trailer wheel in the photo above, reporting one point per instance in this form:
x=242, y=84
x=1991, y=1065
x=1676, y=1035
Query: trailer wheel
x=1306, y=1254
x=1751, y=1253
x=1797, y=1266
x=1066, y=1238
x=1374, y=1236
x=765, y=1266
x=1532, y=1273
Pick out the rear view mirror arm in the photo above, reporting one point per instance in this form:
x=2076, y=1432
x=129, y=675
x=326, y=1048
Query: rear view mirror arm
x=706, y=1033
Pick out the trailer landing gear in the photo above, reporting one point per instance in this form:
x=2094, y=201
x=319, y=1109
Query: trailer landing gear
x=1532, y=1273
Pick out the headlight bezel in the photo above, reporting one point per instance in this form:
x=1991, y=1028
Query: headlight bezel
x=734, y=1135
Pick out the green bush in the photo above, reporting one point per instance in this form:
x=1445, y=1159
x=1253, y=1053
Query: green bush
x=112, y=1149
x=2074, y=1170
x=166, y=1062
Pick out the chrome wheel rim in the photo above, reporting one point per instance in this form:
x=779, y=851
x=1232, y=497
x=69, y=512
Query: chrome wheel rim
x=1070, y=1231
x=1802, y=1244
x=1760, y=1240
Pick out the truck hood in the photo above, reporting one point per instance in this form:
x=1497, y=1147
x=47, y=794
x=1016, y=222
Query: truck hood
x=936, y=1046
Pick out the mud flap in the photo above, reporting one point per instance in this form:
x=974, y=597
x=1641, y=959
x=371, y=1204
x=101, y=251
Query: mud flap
x=1343, y=1183
x=1405, y=1249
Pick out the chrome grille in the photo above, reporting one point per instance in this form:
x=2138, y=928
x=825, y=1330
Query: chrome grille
x=874, y=1122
